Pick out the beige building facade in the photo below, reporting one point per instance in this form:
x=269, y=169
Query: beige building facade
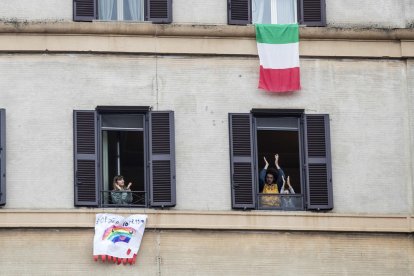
x=359, y=69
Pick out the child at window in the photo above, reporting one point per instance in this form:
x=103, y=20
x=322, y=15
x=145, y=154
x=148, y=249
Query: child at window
x=287, y=189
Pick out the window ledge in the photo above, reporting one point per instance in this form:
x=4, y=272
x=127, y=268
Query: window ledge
x=214, y=220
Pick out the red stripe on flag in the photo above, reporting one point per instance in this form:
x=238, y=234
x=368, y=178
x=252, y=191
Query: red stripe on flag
x=279, y=80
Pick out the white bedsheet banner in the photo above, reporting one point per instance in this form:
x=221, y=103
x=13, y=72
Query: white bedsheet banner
x=118, y=239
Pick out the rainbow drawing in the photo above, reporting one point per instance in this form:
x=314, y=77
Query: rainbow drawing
x=118, y=234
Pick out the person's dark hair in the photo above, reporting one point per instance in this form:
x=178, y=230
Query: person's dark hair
x=273, y=172
x=116, y=178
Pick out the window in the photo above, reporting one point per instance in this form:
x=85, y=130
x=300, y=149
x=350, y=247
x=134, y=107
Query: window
x=305, y=12
x=303, y=145
x=2, y=157
x=121, y=10
x=134, y=142
x=156, y=11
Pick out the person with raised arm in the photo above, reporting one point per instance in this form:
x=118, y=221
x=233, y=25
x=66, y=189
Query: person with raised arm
x=121, y=195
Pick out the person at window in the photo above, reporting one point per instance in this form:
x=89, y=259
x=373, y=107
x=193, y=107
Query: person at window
x=121, y=195
x=277, y=174
x=287, y=189
x=268, y=185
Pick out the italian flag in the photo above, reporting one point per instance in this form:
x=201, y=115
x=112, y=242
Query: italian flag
x=278, y=47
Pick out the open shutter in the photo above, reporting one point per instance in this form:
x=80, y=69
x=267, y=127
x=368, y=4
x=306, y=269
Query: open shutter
x=239, y=12
x=162, y=158
x=2, y=157
x=318, y=162
x=84, y=10
x=159, y=11
x=312, y=12
x=241, y=161
x=85, y=158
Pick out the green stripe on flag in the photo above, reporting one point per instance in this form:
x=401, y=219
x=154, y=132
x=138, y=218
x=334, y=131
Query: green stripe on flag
x=277, y=33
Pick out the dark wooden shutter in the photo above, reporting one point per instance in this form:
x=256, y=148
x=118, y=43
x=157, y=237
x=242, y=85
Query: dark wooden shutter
x=318, y=162
x=85, y=158
x=84, y=10
x=162, y=158
x=239, y=12
x=159, y=11
x=241, y=161
x=2, y=157
x=312, y=13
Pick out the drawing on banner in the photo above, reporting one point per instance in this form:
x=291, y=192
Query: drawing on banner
x=117, y=239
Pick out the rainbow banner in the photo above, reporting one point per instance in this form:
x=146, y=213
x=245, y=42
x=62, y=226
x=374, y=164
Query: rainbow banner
x=117, y=239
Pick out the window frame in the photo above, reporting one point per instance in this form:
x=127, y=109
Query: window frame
x=309, y=12
x=2, y=157
x=278, y=114
x=100, y=129
x=155, y=11
x=160, y=184
x=316, y=180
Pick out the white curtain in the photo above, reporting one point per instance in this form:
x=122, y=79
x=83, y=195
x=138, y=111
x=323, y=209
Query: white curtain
x=286, y=11
x=273, y=11
x=136, y=9
x=261, y=11
x=106, y=8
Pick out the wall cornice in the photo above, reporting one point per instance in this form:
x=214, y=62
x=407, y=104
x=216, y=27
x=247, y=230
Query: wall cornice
x=214, y=220
x=148, y=29
x=145, y=38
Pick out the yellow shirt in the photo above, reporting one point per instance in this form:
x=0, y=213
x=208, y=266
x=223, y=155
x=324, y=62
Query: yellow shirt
x=270, y=189
x=270, y=200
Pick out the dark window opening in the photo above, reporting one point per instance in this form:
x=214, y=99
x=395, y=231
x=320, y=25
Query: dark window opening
x=286, y=144
x=123, y=154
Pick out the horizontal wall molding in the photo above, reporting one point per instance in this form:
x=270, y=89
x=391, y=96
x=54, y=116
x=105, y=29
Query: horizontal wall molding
x=122, y=28
x=213, y=220
x=118, y=37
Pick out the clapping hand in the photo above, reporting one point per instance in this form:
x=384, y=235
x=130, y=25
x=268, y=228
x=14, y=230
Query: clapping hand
x=266, y=163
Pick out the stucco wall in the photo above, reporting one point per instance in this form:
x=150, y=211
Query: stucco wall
x=351, y=13
x=39, y=10
x=69, y=252
x=366, y=100
x=370, y=13
x=200, y=12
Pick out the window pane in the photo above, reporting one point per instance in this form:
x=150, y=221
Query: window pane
x=287, y=123
x=126, y=121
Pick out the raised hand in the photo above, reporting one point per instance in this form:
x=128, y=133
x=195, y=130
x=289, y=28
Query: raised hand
x=266, y=163
x=277, y=161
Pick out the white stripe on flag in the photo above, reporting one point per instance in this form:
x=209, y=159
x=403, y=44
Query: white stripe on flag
x=278, y=56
